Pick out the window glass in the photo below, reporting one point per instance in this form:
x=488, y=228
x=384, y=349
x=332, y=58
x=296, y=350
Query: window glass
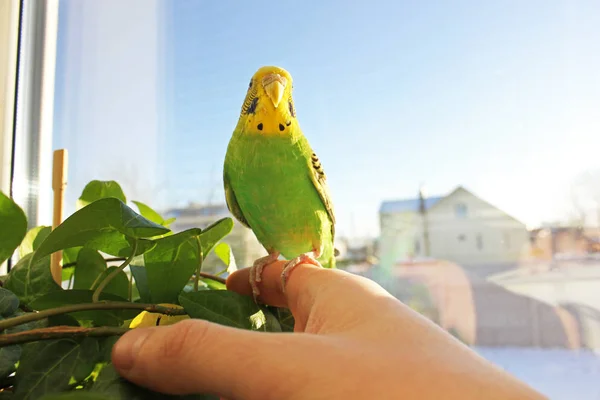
x=492, y=105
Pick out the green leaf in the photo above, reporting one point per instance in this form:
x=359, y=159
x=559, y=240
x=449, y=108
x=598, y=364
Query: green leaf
x=96, y=190
x=169, y=221
x=105, y=225
x=119, y=285
x=171, y=263
x=149, y=213
x=9, y=303
x=9, y=356
x=48, y=366
x=33, y=239
x=285, y=317
x=90, y=265
x=141, y=281
x=30, y=279
x=222, y=307
x=70, y=255
x=213, y=285
x=67, y=273
x=215, y=232
x=14, y=226
x=99, y=317
x=110, y=383
x=223, y=251
x=271, y=323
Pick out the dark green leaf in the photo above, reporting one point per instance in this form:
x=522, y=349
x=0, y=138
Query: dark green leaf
x=223, y=307
x=99, y=317
x=110, y=383
x=77, y=395
x=14, y=226
x=141, y=281
x=285, y=317
x=106, y=345
x=62, y=320
x=48, y=366
x=119, y=285
x=96, y=190
x=90, y=265
x=9, y=356
x=103, y=225
x=171, y=263
x=28, y=326
x=271, y=323
x=33, y=239
x=29, y=279
x=215, y=232
x=8, y=302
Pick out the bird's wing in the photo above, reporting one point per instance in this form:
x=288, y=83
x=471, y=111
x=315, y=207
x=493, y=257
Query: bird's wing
x=319, y=180
x=232, y=203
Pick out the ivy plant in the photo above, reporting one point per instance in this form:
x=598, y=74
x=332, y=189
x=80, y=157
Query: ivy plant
x=121, y=269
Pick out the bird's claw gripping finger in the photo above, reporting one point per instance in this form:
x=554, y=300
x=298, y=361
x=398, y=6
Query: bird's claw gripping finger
x=302, y=258
x=256, y=272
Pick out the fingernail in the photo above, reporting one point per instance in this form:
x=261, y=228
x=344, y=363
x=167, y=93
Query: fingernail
x=126, y=350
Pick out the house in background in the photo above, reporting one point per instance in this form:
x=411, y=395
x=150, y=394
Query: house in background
x=459, y=227
x=243, y=242
x=559, y=242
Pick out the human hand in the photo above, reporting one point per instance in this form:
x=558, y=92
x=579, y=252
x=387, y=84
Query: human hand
x=353, y=341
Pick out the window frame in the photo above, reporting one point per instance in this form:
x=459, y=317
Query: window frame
x=27, y=68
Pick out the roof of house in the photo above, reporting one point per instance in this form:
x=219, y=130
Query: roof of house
x=395, y=206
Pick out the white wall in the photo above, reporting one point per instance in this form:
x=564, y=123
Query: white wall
x=503, y=238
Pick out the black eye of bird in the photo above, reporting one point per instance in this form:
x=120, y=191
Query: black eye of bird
x=291, y=108
x=250, y=85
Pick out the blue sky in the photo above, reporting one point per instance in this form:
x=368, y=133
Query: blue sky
x=501, y=97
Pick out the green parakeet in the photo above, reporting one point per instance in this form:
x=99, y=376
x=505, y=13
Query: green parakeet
x=274, y=182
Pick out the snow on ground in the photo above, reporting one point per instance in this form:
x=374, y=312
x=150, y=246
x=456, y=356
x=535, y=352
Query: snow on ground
x=559, y=374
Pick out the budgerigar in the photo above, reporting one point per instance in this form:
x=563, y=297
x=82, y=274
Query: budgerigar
x=274, y=182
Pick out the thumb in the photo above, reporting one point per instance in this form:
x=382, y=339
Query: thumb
x=196, y=356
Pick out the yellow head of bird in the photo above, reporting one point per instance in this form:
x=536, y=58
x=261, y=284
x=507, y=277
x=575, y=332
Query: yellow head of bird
x=268, y=107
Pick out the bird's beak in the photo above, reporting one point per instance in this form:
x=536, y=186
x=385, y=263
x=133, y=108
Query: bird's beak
x=274, y=85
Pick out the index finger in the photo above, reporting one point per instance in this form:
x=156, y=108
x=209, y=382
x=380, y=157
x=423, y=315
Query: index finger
x=334, y=291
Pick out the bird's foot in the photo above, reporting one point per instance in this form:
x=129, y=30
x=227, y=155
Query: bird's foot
x=308, y=258
x=256, y=271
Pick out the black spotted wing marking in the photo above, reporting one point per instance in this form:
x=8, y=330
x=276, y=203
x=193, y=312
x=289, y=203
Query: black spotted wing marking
x=320, y=182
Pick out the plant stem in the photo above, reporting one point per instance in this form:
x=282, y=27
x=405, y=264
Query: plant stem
x=102, y=305
x=115, y=272
x=58, y=332
x=213, y=277
x=197, y=277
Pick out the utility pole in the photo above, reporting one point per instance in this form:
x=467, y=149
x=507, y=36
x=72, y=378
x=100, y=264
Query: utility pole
x=423, y=212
